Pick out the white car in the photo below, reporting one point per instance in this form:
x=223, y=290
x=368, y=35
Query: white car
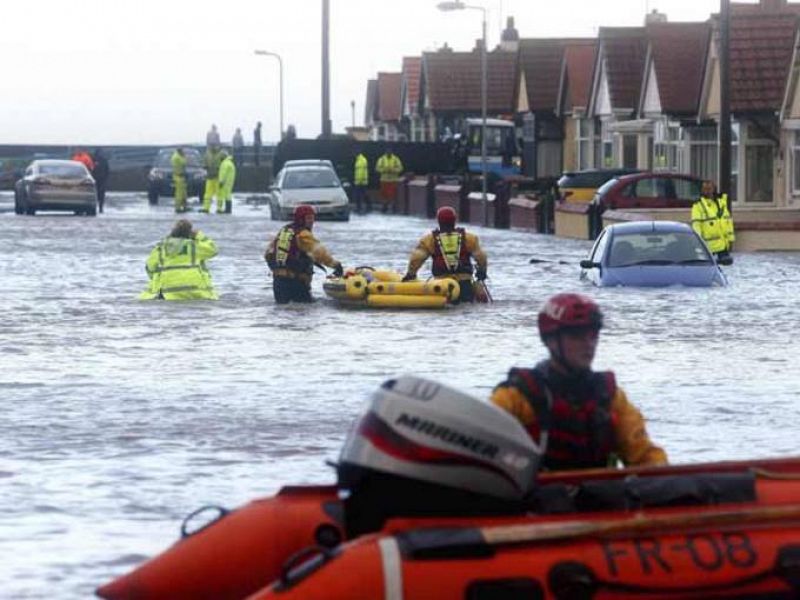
x=314, y=183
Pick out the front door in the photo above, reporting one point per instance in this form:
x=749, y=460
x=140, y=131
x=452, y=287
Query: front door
x=629, y=152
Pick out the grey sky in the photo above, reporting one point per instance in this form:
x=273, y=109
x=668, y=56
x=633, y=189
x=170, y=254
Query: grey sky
x=147, y=71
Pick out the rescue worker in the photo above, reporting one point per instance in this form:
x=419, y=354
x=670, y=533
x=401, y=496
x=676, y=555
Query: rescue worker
x=389, y=168
x=84, y=157
x=178, y=161
x=583, y=417
x=177, y=266
x=360, y=183
x=212, y=160
x=227, y=177
x=708, y=217
x=292, y=254
x=453, y=250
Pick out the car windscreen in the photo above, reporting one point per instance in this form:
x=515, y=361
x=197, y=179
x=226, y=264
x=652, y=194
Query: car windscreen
x=297, y=179
x=588, y=179
x=657, y=248
x=607, y=186
x=67, y=171
x=164, y=160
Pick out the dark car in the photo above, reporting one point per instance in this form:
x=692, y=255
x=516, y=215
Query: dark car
x=159, y=179
x=651, y=254
x=580, y=186
x=56, y=185
x=648, y=190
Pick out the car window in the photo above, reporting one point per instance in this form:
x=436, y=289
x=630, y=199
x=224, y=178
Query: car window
x=687, y=189
x=657, y=248
x=652, y=187
x=63, y=170
x=309, y=178
x=599, y=246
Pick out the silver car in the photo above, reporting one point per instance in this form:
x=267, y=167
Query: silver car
x=56, y=185
x=314, y=183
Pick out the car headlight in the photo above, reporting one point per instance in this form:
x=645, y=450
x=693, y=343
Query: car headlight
x=517, y=162
x=156, y=174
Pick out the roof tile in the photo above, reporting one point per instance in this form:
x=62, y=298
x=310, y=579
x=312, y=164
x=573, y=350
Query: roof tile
x=389, y=96
x=678, y=54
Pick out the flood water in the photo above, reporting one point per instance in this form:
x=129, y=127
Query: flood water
x=119, y=417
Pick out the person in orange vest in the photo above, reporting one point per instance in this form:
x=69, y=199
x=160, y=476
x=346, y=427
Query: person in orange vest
x=84, y=157
x=580, y=417
x=453, y=250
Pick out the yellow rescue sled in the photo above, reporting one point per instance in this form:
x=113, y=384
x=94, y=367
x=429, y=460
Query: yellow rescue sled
x=365, y=286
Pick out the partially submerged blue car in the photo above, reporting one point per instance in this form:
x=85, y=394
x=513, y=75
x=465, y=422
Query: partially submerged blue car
x=652, y=254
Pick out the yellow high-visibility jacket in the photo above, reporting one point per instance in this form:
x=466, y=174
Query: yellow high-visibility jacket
x=707, y=223
x=389, y=167
x=307, y=244
x=177, y=269
x=361, y=170
x=227, y=177
x=726, y=221
x=178, y=165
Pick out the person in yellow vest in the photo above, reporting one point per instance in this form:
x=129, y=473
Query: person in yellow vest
x=292, y=254
x=453, y=250
x=707, y=219
x=360, y=183
x=389, y=168
x=178, y=161
x=211, y=160
x=177, y=266
x=726, y=220
x=227, y=177
x=582, y=417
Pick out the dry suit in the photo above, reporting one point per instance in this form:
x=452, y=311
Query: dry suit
x=291, y=256
x=177, y=269
x=212, y=160
x=227, y=177
x=179, y=180
x=452, y=252
x=588, y=418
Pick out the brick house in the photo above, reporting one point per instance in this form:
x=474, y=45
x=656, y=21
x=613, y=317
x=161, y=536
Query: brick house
x=413, y=124
x=387, y=124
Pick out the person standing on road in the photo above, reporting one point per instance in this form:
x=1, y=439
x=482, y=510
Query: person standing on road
x=711, y=219
x=238, y=147
x=291, y=256
x=177, y=266
x=257, y=143
x=212, y=138
x=100, y=173
x=360, y=183
x=82, y=156
x=581, y=417
x=453, y=250
x=178, y=162
x=389, y=168
x=227, y=177
x=212, y=160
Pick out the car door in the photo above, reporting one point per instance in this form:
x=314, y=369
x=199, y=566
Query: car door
x=594, y=274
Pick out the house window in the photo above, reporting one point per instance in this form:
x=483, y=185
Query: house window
x=758, y=165
x=703, y=152
x=584, y=140
x=607, y=145
x=667, y=146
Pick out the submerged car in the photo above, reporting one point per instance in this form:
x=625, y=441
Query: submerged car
x=159, y=178
x=56, y=185
x=313, y=183
x=652, y=254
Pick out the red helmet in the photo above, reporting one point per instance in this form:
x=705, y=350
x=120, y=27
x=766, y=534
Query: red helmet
x=446, y=216
x=569, y=311
x=301, y=212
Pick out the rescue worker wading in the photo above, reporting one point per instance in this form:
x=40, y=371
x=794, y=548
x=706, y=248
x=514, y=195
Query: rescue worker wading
x=586, y=419
x=178, y=160
x=291, y=256
x=711, y=219
x=452, y=249
x=360, y=183
x=227, y=177
x=212, y=160
x=177, y=266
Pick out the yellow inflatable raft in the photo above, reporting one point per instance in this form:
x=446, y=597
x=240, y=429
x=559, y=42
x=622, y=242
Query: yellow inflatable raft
x=366, y=286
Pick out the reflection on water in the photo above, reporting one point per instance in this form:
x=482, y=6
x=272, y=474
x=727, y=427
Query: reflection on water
x=120, y=416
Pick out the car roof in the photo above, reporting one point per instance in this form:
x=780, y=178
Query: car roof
x=308, y=163
x=171, y=150
x=620, y=170
x=490, y=122
x=54, y=162
x=648, y=227
x=646, y=174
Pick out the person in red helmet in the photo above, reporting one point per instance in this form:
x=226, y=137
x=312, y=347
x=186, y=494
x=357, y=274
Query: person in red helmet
x=291, y=256
x=453, y=250
x=581, y=417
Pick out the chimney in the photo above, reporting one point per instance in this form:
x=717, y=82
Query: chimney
x=478, y=45
x=654, y=17
x=509, y=39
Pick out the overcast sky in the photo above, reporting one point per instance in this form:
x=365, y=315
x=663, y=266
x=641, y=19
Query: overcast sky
x=152, y=72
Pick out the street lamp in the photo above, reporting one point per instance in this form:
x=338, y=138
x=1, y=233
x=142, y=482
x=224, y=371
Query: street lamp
x=459, y=5
x=280, y=68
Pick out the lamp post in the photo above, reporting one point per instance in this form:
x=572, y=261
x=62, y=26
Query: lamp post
x=280, y=69
x=459, y=5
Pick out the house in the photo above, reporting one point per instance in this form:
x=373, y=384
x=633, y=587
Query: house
x=371, y=107
x=573, y=100
x=387, y=124
x=414, y=126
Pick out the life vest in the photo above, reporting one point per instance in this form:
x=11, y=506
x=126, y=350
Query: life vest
x=286, y=254
x=579, y=423
x=450, y=254
x=706, y=220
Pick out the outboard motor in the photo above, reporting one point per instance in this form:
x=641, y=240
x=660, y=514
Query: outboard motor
x=422, y=448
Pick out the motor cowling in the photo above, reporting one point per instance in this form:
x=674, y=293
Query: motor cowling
x=416, y=429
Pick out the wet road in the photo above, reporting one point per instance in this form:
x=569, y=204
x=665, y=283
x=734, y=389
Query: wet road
x=120, y=416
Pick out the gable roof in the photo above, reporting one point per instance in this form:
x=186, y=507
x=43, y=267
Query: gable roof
x=371, y=102
x=761, y=47
x=622, y=51
x=412, y=68
x=540, y=66
x=389, y=96
x=576, y=75
x=677, y=54
x=452, y=81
